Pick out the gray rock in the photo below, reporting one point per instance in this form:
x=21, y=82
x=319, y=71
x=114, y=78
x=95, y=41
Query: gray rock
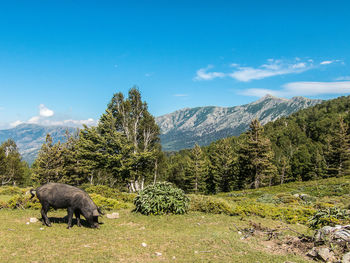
x=324, y=254
x=342, y=235
x=114, y=215
x=33, y=220
x=312, y=253
x=321, y=253
x=346, y=258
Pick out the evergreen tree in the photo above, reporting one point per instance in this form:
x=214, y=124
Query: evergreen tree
x=12, y=168
x=48, y=166
x=257, y=157
x=176, y=169
x=339, y=155
x=223, y=167
x=104, y=153
x=196, y=170
x=72, y=172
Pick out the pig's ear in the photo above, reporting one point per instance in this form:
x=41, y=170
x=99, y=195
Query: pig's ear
x=95, y=213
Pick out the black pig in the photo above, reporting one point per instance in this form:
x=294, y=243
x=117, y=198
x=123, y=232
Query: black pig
x=66, y=196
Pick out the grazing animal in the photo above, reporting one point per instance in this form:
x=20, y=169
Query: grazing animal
x=76, y=201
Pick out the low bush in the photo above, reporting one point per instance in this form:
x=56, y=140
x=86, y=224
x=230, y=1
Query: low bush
x=11, y=190
x=109, y=203
x=20, y=201
x=161, y=198
x=213, y=205
x=329, y=217
x=109, y=192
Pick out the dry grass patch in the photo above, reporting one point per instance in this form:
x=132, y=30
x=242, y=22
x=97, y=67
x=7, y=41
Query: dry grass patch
x=194, y=237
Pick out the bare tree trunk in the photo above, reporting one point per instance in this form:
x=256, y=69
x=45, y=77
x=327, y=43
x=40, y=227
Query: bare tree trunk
x=155, y=172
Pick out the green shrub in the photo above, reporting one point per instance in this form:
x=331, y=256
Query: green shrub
x=213, y=205
x=109, y=203
x=329, y=217
x=20, y=201
x=109, y=192
x=11, y=190
x=268, y=199
x=161, y=198
x=102, y=190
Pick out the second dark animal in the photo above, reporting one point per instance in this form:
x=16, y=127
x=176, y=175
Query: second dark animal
x=76, y=201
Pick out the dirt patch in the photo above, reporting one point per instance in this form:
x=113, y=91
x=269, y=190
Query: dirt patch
x=276, y=241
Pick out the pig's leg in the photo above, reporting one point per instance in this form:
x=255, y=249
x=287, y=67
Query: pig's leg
x=44, y=209
x=77, y=215
x=70, y=217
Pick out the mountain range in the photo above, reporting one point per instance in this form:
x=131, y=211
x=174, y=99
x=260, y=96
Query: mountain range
x=180, y=129
x=30, y=137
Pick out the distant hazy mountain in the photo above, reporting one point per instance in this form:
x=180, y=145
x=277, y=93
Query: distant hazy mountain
x=29, y=138
x=203, y=125
x=180, y=129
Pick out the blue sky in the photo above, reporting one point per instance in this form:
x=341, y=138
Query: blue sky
x=62, y=61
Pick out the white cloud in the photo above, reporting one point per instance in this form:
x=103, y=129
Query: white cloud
x=326, y=62
x=15, y=123
x=202, y=74
x=34, y=120
x=273, y=67
x=44, y=111
x=317, y=88
x=303, y=88
x=270, y=69
x=46, y=117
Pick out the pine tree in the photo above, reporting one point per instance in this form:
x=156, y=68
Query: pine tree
x=48, y=166
x=339, y=155
x=256, y=156
x=197, y=170
x=104, y=152
x=223, y=167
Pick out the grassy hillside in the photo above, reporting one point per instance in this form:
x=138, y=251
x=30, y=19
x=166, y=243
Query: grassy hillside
x=242, y=226
x=195, y=237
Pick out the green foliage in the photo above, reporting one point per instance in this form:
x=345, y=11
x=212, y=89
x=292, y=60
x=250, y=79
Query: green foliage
x=109, y=192
x=11, y=190
x=21, y=201
x=109, y=203
x=245, y=208
x=12, y=169
x=161, y=198
x=213, y=205
x=329, y=217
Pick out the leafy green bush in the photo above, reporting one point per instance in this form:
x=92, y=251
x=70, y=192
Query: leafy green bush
x=109, y=192
x=20, y=201
x=329, y=217
x=161, y=198
x=109, y=203
x=213, y=205
x=11, y=190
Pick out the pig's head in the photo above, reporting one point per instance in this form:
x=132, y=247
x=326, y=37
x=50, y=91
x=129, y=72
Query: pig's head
x=91, y=216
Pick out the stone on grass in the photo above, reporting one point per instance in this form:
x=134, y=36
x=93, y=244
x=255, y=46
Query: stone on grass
x=346, y=258
x=33, y=220
x=114, y=215
x=158, y=254
x=144, y=244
